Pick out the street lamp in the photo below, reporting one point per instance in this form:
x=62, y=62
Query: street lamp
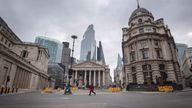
x=70, y=70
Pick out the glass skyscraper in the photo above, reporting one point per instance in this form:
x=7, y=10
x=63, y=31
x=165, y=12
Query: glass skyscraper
x=54, y=48
x=180, y=50
x=88, y=45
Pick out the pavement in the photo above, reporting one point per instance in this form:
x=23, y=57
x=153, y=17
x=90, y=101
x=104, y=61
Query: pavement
x=103, y=99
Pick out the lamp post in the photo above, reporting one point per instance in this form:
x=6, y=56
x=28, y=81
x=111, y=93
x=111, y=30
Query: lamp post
x=70, y=70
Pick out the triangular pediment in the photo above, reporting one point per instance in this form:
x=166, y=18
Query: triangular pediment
x=87, y=64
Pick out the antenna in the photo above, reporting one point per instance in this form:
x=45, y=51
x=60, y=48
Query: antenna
x=138, y=4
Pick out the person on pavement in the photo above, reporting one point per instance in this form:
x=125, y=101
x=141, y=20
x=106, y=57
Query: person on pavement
x=91, y=89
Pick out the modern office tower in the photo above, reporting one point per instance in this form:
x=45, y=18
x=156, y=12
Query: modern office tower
x=149, y=50
x=118, y=72
x=186, y=66
x=54, y=47
x=88, y=45
x=180, y=50
x=100, y=54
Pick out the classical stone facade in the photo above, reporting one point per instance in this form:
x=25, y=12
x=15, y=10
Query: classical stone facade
x=24, y=63
x=149, y=50
x=89, y=72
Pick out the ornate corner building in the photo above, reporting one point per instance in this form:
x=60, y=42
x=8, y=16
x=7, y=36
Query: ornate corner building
x=149, y=50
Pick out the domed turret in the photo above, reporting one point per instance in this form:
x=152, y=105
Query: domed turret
x=139, y=12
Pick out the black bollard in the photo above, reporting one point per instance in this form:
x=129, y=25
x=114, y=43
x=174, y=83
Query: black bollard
x=5, y=91
x=12, y=90
x=8, y=89
x=16, y=90
x=2, y=89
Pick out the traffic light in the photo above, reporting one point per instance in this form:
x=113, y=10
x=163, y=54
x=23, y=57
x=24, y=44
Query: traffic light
x=70, y=76
x=70, y=72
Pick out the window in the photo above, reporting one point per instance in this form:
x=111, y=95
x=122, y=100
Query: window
x=131, y=48
x=154, y=30
x=146, y=67
x=156, y=43
x=39, y=55
x=2, y=39
x=5, y=42
x=141, y=30
x=129, y=35
x=148, y=78
x=162, y=72
x=134, y=76
x=132, y=56
x=132, y=24
x=9, y=45
x=143, y=43
x=24, y=54
x=147, y=73
x=149, y=20
x=140, y=21
x=145, y=54
x=158, y=53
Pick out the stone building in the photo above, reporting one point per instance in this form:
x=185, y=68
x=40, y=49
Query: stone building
x=24, y=63
x=149, y=50
x=90, y=72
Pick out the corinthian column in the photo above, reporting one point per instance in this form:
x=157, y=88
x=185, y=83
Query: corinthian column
x=103, y=78
x=94, y=82
x=85, y=80
x=99, y=79
x=89, y=77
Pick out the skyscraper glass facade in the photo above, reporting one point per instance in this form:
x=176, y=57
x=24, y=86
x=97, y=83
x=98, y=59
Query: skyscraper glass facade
x=54, y=48
x=88, y=45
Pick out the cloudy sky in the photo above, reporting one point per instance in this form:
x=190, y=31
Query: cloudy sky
x=60, y=19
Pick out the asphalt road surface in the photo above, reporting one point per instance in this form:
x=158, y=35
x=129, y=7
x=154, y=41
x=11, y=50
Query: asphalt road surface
x=101, y=100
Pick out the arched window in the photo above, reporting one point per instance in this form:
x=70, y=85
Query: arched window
x=140, y=20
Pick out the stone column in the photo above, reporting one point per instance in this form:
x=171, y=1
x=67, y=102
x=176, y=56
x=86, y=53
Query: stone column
x=99, y=79
x=75, y=74
x=103, y=78
x=89, y=77
x=94, y=80
x=85, y=75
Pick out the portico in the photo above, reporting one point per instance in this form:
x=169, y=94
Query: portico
x=89, y=73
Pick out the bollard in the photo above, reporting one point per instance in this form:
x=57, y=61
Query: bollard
x=2, y=89
x=8, y=89
x=5, y=91
x=16, y=90
x=12, y=90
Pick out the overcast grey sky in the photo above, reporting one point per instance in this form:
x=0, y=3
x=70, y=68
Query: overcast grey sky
x=62, y=18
